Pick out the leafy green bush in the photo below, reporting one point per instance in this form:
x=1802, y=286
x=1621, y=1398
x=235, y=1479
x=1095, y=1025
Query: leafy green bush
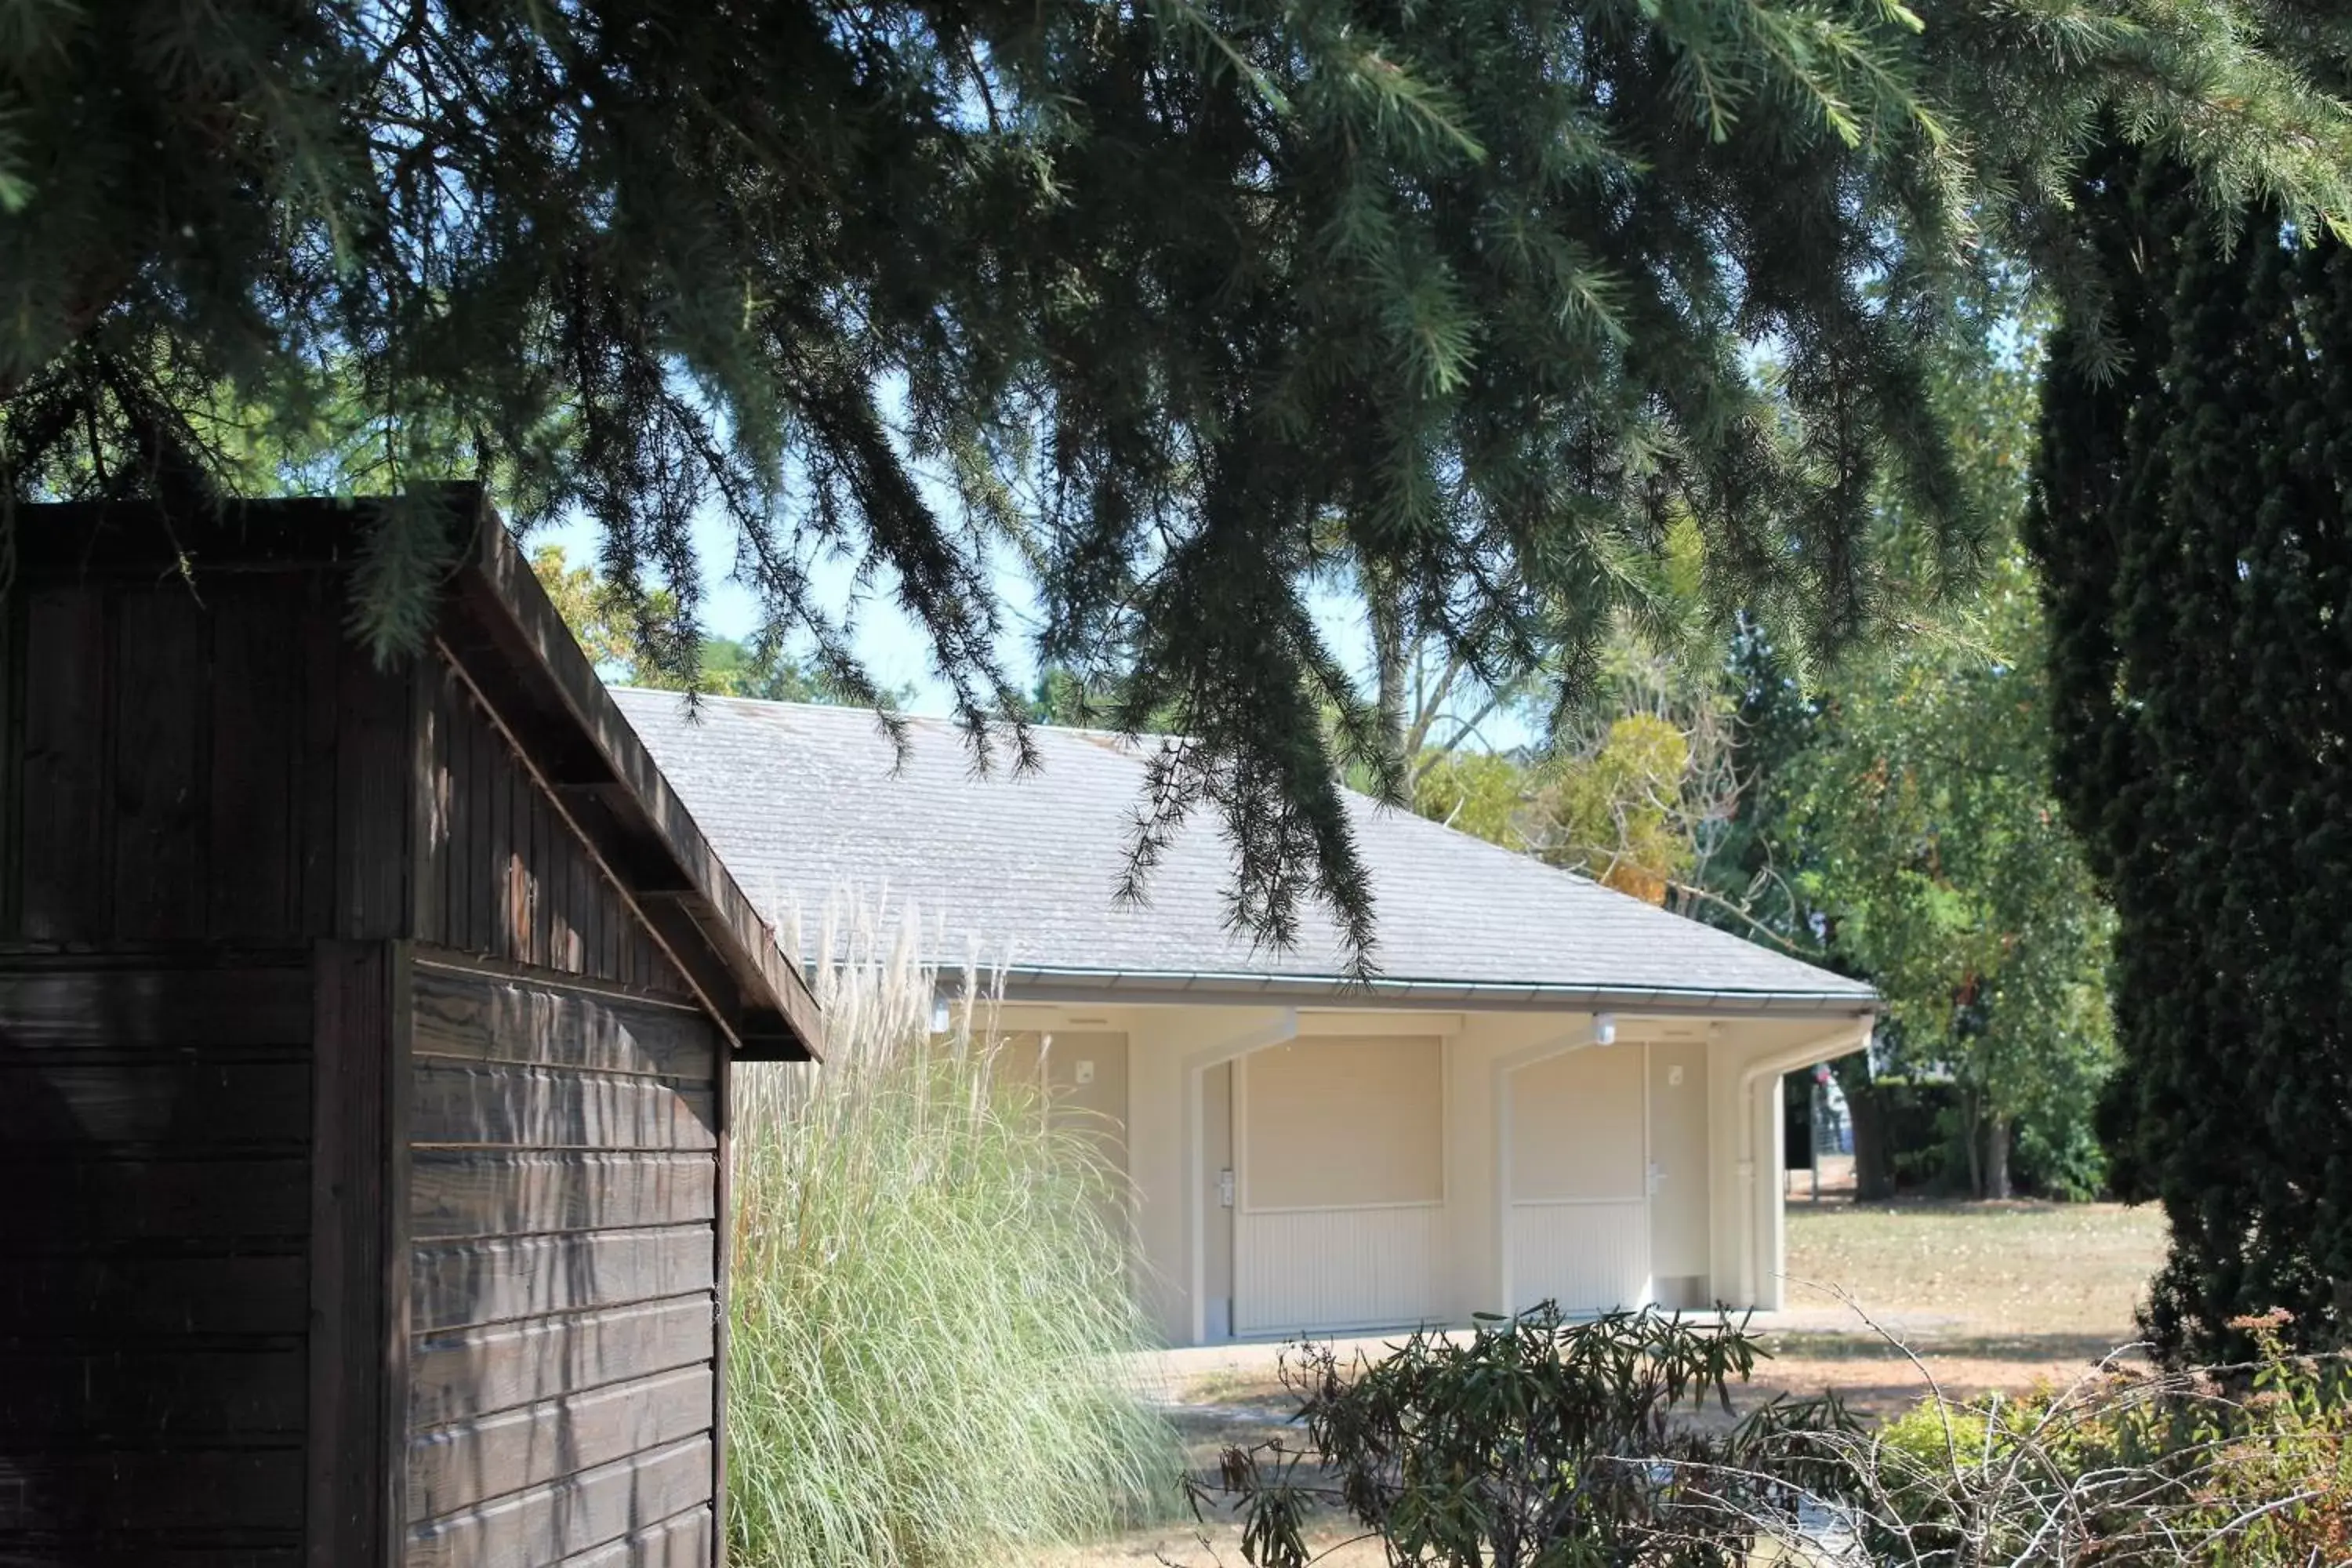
x=1537, y=1441
x=2247, y=1465
x=1542, y=1444
x=928, y=1304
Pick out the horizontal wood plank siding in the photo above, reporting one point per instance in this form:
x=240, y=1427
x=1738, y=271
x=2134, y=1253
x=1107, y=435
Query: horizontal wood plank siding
x=460, y=1018
x=143, y=1010
x=564, y=1213
x=154, y=1133
x=128, y=1553
x=116, y=1394
x=540, y=1108
x=472, y=1192
x=157, y=1198
x=186, y=1104
x=460, y=1283
x=572, y=1516
x=283, y=1197
x=687, y=1541
x=470, y=1462
x=136, y=1293
x=458, y=1374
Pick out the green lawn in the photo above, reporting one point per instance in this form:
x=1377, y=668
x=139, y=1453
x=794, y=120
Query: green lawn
x=1988, y=1296
x=2076, y=1268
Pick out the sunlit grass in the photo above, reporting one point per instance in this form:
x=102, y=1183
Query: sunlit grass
x=2075, y=1268
x=928, y=1304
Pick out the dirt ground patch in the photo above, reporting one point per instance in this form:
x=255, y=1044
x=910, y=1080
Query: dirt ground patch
x=1986, y=1296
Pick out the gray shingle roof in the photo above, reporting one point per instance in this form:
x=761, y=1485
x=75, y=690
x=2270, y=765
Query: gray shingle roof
x=803, y=804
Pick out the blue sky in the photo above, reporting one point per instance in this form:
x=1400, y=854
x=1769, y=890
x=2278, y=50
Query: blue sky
x=896, y=652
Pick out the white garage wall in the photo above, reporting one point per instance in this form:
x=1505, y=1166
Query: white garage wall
x=1577, y=1125
x=1343, y=1184
x=1343, y=1123
x=1739, y=1231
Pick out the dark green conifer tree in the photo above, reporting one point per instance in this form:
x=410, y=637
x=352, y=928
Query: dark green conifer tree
x=2194, y=519
x=1185, y=302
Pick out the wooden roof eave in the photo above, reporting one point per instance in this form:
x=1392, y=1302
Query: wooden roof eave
x=500, y=629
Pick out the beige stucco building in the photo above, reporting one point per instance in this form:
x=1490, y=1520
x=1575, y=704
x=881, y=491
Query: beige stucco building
x=1553, y=1091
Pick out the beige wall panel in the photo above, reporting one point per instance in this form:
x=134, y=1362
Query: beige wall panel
x=1337, y=1122
x=1576, y=1125
x=1085, y=1079
x=1582, y=1256
x=1085, y=1074
x=1678, y=1151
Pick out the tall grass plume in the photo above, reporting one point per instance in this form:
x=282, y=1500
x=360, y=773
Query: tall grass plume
x=929, y=1302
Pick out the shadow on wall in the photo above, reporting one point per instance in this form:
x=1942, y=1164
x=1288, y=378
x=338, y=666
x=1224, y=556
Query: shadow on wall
x=154, y=1296
x=44, y=1152
x=153, y=1289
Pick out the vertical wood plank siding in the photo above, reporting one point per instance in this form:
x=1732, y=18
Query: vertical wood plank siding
x=1296, y=1270
x=363, y=1142
x=155, y=1134
x=1589, y=1254
x=564, y=1209
x=234, y=772
x=501, y=873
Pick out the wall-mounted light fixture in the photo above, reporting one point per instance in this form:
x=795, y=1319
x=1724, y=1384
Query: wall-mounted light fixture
x=1604, y=1029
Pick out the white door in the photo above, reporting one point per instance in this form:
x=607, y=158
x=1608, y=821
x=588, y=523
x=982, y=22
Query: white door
x=1340, y=1217
x=1576, y=1215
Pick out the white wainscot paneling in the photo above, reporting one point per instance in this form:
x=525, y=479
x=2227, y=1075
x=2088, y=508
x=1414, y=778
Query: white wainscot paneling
x=1338, y=1268
x=1589, y=1254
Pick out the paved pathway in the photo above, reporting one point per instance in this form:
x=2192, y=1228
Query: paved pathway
x=1176, y=1370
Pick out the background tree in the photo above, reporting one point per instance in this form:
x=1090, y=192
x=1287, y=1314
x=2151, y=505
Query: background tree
x=1942, y=869
x=2192, y=520
x=1612, y=813
x=1156, y=295
x=613, y=628
x=1889, y=814
x=1631, y=779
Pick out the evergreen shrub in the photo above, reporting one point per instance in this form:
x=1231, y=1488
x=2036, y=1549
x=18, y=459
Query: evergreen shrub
x=2193, y=516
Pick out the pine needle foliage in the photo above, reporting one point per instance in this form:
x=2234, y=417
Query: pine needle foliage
x=1180, y=301
x=2192, y=520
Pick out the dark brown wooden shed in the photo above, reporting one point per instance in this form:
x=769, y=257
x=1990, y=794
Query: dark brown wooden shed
x=364, y=1037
